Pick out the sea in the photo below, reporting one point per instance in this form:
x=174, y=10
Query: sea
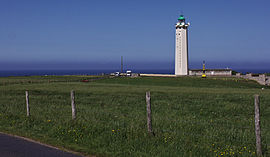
x=5, y=73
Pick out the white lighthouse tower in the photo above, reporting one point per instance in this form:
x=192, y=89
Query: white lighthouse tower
x=181, y=47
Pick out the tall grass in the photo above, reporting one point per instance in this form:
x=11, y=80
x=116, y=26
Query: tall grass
x=191, y=116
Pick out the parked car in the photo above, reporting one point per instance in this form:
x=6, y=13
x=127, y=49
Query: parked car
x=117, y=74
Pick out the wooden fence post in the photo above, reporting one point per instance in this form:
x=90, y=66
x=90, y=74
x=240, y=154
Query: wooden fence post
x=257, y=125
x=73, y=107
x=149, y=118
x=27, y=103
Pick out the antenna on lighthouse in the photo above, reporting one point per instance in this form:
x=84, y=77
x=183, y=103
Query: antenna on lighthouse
x=182, y=12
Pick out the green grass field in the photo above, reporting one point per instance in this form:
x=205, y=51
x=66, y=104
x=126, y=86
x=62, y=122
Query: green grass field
x=191, y=116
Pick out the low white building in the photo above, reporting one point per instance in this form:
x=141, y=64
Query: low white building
x=211, y=72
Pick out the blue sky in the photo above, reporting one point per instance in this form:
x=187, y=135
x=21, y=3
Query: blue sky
x=60, y=34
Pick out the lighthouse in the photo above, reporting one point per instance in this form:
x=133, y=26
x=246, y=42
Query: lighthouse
x=181, y=47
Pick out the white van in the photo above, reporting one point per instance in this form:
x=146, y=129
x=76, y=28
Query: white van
x=128, y=72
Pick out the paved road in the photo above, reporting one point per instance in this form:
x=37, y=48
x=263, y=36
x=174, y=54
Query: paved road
x=11, y=146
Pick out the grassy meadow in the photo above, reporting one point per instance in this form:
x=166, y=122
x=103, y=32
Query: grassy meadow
x=191, y=116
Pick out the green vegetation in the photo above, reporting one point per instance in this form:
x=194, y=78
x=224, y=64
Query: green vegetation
x=191, y=116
